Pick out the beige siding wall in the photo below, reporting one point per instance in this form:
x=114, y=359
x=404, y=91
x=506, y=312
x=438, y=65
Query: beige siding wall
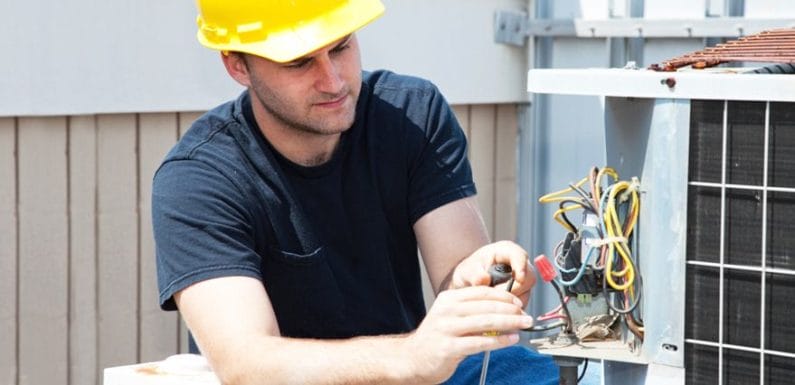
x=77, y=274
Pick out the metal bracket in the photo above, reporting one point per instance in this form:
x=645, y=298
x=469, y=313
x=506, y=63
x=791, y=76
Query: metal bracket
x=513, y=27
x=568, y=369
x=510, y=27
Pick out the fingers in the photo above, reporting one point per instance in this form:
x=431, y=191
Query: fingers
x=522, y=288
x=524, y=276
x=471, y=273
x=486, y=307
x=479, y=309
x=510, y=253
x=506, y=252
x=486, y=323
x=466, y=321
x=524, y=298
x=478, y=343
x=471, y=293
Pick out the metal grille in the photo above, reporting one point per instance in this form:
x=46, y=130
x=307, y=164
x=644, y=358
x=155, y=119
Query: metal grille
x=740, y=308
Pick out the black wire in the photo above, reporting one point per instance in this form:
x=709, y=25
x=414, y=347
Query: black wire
x=585, y=196
x=585, y=205
x=562, y=205
x=584, y=369
x=538, y=328
x=634, y=241
x=570, y=321
x=545, y=327
x=574, y=200
x=634, y=304
x=553, y=325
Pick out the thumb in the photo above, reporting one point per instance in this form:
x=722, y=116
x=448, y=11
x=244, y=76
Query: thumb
x=481, y=278
x=471, y=277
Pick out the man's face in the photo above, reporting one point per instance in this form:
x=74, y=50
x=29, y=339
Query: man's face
x=315, y=94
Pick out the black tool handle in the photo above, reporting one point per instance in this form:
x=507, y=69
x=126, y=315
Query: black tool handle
x=500, y=273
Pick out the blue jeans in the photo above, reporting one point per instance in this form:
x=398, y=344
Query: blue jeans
x=512, y=365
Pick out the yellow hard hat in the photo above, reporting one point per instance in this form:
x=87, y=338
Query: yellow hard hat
x=281, y=30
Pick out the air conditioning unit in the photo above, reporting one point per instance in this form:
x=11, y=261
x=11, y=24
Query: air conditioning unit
x=714, y=151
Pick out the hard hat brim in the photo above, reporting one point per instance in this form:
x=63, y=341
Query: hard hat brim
x=290, y=44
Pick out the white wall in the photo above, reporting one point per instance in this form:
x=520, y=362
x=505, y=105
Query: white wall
x=452, y=43
x=91, y=56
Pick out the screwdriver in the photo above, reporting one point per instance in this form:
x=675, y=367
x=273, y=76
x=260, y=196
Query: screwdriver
x=499, y=273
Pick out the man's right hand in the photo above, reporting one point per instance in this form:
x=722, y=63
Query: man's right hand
x=236, y=329
x=458, y=324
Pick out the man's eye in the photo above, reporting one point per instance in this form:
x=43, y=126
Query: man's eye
x=297, y=64
x=341, y=48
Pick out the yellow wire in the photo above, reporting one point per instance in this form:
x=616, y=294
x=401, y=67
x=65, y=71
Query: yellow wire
x=612, y=223
x=556, y=196
x=605, y=170
x=563, y=223
x=613, y=226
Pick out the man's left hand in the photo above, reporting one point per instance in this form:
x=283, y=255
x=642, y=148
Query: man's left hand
x=473, y=271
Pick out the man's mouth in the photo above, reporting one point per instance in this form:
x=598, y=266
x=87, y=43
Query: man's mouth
x=336, y=102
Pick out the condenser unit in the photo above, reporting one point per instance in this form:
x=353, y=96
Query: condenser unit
x=714, y=150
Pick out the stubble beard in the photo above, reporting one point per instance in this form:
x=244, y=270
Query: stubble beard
x=281, y=112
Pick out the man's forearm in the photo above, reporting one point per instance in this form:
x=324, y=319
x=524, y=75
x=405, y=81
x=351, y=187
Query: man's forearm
x=445, y=285
x=362, y=360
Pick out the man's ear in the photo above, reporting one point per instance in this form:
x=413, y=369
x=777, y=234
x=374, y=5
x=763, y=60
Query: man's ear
x=236, y=67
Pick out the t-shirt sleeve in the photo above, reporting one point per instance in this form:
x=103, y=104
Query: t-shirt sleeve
x=202, y=228
x=440, y=172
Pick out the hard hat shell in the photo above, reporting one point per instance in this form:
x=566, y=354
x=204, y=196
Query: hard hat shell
x=281, y=30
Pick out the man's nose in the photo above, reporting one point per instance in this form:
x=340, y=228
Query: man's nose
x=328, y=77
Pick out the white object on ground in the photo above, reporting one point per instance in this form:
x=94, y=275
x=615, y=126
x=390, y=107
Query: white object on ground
x=180, y=369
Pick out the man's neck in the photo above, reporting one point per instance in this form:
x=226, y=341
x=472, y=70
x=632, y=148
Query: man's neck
x=300, y=147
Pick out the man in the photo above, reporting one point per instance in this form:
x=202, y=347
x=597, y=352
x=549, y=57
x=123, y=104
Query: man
x=287, y=222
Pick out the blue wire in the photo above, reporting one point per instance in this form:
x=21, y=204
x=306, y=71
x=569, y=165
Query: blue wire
x=582, y=268
x=622, y=211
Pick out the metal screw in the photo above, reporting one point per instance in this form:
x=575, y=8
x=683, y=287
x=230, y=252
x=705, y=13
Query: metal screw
x=670, y=347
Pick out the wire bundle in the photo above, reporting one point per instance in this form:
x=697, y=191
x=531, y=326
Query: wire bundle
x=616, y=205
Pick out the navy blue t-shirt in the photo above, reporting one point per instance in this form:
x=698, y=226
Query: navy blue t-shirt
x=333, y=244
